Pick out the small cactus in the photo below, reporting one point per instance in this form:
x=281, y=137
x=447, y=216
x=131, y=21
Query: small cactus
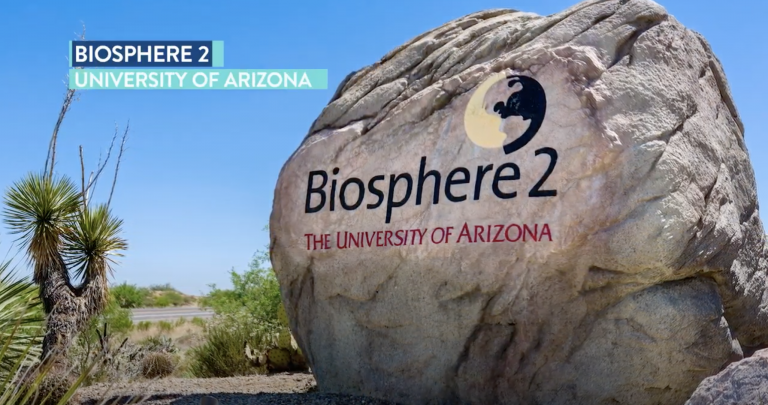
x=278, y=359
x=282, y=354
x=157, y=365
x=282, y=316
x=284, y=339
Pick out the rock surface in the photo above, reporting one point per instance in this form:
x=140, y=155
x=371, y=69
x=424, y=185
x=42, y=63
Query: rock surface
x=743, y=382
x=613, y=253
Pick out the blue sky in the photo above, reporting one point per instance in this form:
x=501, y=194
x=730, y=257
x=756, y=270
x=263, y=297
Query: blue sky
x=197, y=180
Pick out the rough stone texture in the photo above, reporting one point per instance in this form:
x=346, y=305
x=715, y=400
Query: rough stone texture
x=743, y=382
x=655, y=276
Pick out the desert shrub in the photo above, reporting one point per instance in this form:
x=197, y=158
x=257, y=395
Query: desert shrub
x=180, y=322
x=256, y=292
x=118, y=319
x=159, y=344
x=162, y=287
x=125, y=361
x=222, y=353
x=129, y=295
x=93, y=342
x=251, y=312
x=182, y=367
x=157, y=365
x=167, y=298
x=143, y=326
x=119, y=356
x=197, y=321
x=118, y=322
x=164, y=326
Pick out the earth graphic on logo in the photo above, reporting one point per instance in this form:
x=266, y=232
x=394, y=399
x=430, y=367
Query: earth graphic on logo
x=492, y=128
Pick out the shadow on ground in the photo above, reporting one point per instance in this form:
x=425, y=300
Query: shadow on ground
x=307, y=398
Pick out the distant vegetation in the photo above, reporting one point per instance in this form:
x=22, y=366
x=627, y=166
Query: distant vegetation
x=162, y=287
x=156, y=296
x=249, y=313
x=255, y=292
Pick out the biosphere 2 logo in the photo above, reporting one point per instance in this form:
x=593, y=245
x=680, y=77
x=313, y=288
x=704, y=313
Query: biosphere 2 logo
x=332, y=190
x=527, y=101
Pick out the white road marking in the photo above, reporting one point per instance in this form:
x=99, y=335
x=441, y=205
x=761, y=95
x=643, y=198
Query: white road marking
x=166, y=314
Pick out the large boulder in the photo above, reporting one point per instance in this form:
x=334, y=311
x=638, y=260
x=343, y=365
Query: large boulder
x=593, y=236
x=742, y=382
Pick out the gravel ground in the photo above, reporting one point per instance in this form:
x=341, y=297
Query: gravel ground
x=278, y=389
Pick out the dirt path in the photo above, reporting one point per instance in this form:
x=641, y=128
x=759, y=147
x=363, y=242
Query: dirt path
x=279, y=389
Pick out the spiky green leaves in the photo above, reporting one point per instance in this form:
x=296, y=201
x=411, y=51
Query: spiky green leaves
x=21, y=320
x=40, y=209
x=93, y=241
x=58, y=231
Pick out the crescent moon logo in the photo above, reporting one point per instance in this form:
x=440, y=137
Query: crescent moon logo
x=484, y=128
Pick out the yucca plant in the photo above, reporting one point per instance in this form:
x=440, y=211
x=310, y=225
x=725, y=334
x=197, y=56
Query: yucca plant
x=21, y=319
x=29, y=381
x=23, y=377
x=61, y=233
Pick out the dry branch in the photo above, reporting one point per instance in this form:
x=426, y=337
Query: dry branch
x=82, y=177
x=119, y=159
x=68, y=97
x=100, y=166
x=52, y=145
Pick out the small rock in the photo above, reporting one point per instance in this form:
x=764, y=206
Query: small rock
x=743, y=382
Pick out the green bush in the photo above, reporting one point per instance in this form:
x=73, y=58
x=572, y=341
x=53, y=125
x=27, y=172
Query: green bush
x=143, y=326
x=160, y=296
x=162, y=287
x=256, y=292
x=129, y=295
x=164, y=326
x=169, y=299
x=249, y=312
x=118, y=320
x=222, y=354
x=180, y=322
x=197, y=321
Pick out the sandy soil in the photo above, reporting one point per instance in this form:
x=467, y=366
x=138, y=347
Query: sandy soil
x=283, y=389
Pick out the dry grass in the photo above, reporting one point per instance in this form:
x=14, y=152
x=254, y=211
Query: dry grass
x=186, y=336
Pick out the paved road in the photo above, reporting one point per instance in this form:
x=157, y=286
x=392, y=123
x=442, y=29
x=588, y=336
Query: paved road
x=168, y=314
